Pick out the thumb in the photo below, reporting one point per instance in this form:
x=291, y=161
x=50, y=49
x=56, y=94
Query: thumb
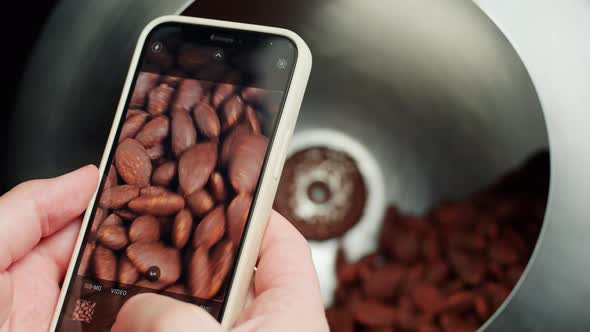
x=156, y=313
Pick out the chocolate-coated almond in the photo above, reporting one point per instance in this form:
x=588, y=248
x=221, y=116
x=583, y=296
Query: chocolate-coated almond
x=164, y=204
x=132, y=126
x=144, y=228
x=153, y=190
x=228, y=144
x=112, y=179
x=232, y=110
x=252, y=120
x=144, y=83
x=159, y=98
x=200, y=202
x=207, y=120
x=211, y=229
x=147, y=254
x=255, y=96
x=237, y=213
x=221, y=93
x=246, y=162
x=184, y=134
x=189, y=93
x=119, y=196
x=222, y=257
x=104, y=263
x=112, y=236
x=164, y=174
x=126, y=273
x=199, y=280
x=154, y=131
x=112, y=219
x=86, y=258
x=125, y=214
x=217, y=187
x=181, y=230
x=195, y=166
x=133, y=163
x=156, y=152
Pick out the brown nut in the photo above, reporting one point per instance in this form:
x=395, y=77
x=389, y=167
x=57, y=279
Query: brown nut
x=143, y=84
x=181, y=230
x=133, y=111
x=340, y=320
x=246, y=162
x=200, y=202
x=221, y=261
x=222, y=92
x=232, y=110
x=211, y=229
x=196, y=165
x=237, y=214
x=147, y=254
x=255, y=96
x=228, y=143
x=384, y=282
x=156, y=152
x=126, y=273
x=154, y=132
x=133, y=163
x=144, y=229
x=153, y=190
x=86, y=258
x=199, y=279
x=252, y=120
x=373, y=313
x=104, y=263
x=112, y=219
x=159, y=98
x=207, y=120
x=426, y=297
x=164, y=174
x=458, y=302
x=164, y=204
x=125, y=214
x=111, y=179
x=217, y=187
x=132, y=126
x=471, y=269
x=189, y=93
x=184, y=134
x=97, y=221
x=117, y=197
x=112, y=236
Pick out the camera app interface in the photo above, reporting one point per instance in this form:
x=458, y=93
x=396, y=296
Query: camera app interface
x=182, y=173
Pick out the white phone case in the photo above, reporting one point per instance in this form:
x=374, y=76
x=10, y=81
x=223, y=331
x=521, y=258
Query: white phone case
x=262, y=206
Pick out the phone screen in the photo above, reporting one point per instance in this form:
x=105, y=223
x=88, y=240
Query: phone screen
x=182, y=173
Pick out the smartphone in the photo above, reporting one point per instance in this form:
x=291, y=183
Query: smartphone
x=189, y=172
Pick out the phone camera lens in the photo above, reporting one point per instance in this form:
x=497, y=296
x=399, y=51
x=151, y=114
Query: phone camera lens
x=157, y=47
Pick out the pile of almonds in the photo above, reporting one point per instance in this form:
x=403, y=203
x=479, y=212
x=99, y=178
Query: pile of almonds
x=449, y=269
x=180, y=185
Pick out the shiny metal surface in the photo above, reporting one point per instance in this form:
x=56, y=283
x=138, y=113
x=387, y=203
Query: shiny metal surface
x=555, y=293
x=73, y=83
x=432, y=90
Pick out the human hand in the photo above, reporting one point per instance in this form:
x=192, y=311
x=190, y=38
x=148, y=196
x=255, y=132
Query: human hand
x=285, y=296
x=40, y=221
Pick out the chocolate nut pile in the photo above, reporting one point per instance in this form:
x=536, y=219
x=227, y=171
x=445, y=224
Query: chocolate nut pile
x=450, y=269
x=179, y=189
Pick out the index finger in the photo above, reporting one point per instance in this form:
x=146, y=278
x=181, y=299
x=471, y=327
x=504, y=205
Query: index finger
x=36, y=209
